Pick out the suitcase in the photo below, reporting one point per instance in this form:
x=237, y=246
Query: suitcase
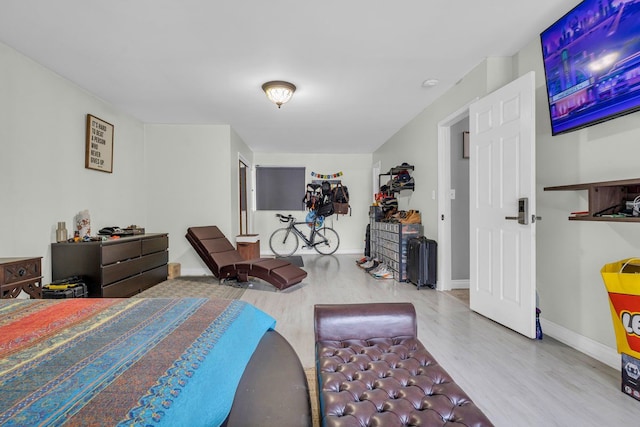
x=422, y=261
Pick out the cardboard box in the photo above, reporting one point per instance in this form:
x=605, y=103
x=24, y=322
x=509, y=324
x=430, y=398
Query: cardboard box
x=631, y=376
x=622, y=280
x=173, y=270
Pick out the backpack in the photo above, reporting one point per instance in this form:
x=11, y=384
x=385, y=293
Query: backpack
x=340, y=199
x=326, y=190
x=325, y=209
x=340, y=194
x=313, y=197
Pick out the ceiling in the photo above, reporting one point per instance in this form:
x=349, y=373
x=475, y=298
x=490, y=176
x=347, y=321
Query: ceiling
x=358, y=64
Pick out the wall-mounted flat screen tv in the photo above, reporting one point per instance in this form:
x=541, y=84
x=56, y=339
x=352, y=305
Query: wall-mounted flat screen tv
x=592, y=63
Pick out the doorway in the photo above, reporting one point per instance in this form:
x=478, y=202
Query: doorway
x=243, y=169
x=453, y=203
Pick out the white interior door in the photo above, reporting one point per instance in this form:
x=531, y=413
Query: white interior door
x=502, y=170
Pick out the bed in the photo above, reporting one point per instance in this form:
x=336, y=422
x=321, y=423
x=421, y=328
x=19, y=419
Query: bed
x=148, y=362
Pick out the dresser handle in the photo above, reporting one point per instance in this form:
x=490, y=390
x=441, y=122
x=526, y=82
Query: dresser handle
x=22, y=271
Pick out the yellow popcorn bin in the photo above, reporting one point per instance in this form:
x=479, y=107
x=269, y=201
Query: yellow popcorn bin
x=622, y=280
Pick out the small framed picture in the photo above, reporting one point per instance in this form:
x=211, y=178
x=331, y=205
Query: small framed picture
x=99, y=146
x=465, y=145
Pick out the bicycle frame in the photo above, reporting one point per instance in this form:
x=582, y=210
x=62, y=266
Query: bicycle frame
x=310, y=241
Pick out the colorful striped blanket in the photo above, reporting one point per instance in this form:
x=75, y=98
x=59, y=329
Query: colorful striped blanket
x=107, y=362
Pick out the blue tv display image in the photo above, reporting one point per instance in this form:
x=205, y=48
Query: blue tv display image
x=592, y=63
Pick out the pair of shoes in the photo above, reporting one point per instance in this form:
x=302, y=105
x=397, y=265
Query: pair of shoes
x=390, y=203
x=373, y=270
x=366, y=264
x=362, y=260
x=412, y=217
x=383, y=273
x=380, y=269
x=369, y=265
x=399, y=185
x=388, y=213
x=375, y=265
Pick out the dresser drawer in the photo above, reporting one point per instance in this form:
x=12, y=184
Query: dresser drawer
x=120, y=252
x=150, y=261
x=153, y=277
x=123, y=288
x=136, y=284
x=156, y=244
x=114, y=272
x=20, y=271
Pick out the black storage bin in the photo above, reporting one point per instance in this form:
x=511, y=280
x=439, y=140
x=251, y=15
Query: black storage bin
x=75, y=288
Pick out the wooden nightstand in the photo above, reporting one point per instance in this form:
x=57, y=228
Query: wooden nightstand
x=20, y=274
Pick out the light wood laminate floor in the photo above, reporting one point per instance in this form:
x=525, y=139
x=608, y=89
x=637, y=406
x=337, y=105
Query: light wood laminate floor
x=514, y=380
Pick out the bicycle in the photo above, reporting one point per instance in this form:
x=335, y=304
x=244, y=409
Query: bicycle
x=284, y=241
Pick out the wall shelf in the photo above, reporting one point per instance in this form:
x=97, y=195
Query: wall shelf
x=605, y=198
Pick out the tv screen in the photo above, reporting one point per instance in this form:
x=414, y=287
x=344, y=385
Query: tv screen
x=592, y=63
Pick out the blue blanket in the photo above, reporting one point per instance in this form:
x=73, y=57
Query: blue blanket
x=146, y=362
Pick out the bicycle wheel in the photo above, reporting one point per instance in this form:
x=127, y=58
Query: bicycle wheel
x=327, y=241
x=283, y=242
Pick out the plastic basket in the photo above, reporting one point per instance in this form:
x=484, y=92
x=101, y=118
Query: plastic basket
x=622, y=280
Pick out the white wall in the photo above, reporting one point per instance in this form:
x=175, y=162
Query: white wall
x=356, y=170
x=417, y=142
x=42, y=151
x=189, y=183
x=570, y=254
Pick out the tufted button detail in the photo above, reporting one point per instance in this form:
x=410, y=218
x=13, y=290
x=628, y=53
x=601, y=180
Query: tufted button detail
x=380, y=382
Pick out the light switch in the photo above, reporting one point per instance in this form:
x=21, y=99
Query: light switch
x=452, y=194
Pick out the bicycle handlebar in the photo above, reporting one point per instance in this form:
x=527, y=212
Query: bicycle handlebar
x=284, y=218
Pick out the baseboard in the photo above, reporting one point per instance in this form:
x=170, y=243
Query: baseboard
x=313, y=252
x=598, y=351
x=196, y=272
x=460, y=284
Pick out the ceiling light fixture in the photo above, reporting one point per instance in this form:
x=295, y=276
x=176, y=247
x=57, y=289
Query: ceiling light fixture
x=278, y=92
x=430, y=82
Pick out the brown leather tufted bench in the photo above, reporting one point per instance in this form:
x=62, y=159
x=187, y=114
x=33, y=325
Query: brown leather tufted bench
x=373, y=371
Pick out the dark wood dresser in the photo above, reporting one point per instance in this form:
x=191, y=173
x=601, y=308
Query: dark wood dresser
x=114, y=268
x=20, y=274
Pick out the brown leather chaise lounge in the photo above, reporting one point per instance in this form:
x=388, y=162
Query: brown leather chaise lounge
x=225, y=261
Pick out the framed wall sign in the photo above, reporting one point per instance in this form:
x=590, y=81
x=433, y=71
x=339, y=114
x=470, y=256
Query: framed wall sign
x=99, y=147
